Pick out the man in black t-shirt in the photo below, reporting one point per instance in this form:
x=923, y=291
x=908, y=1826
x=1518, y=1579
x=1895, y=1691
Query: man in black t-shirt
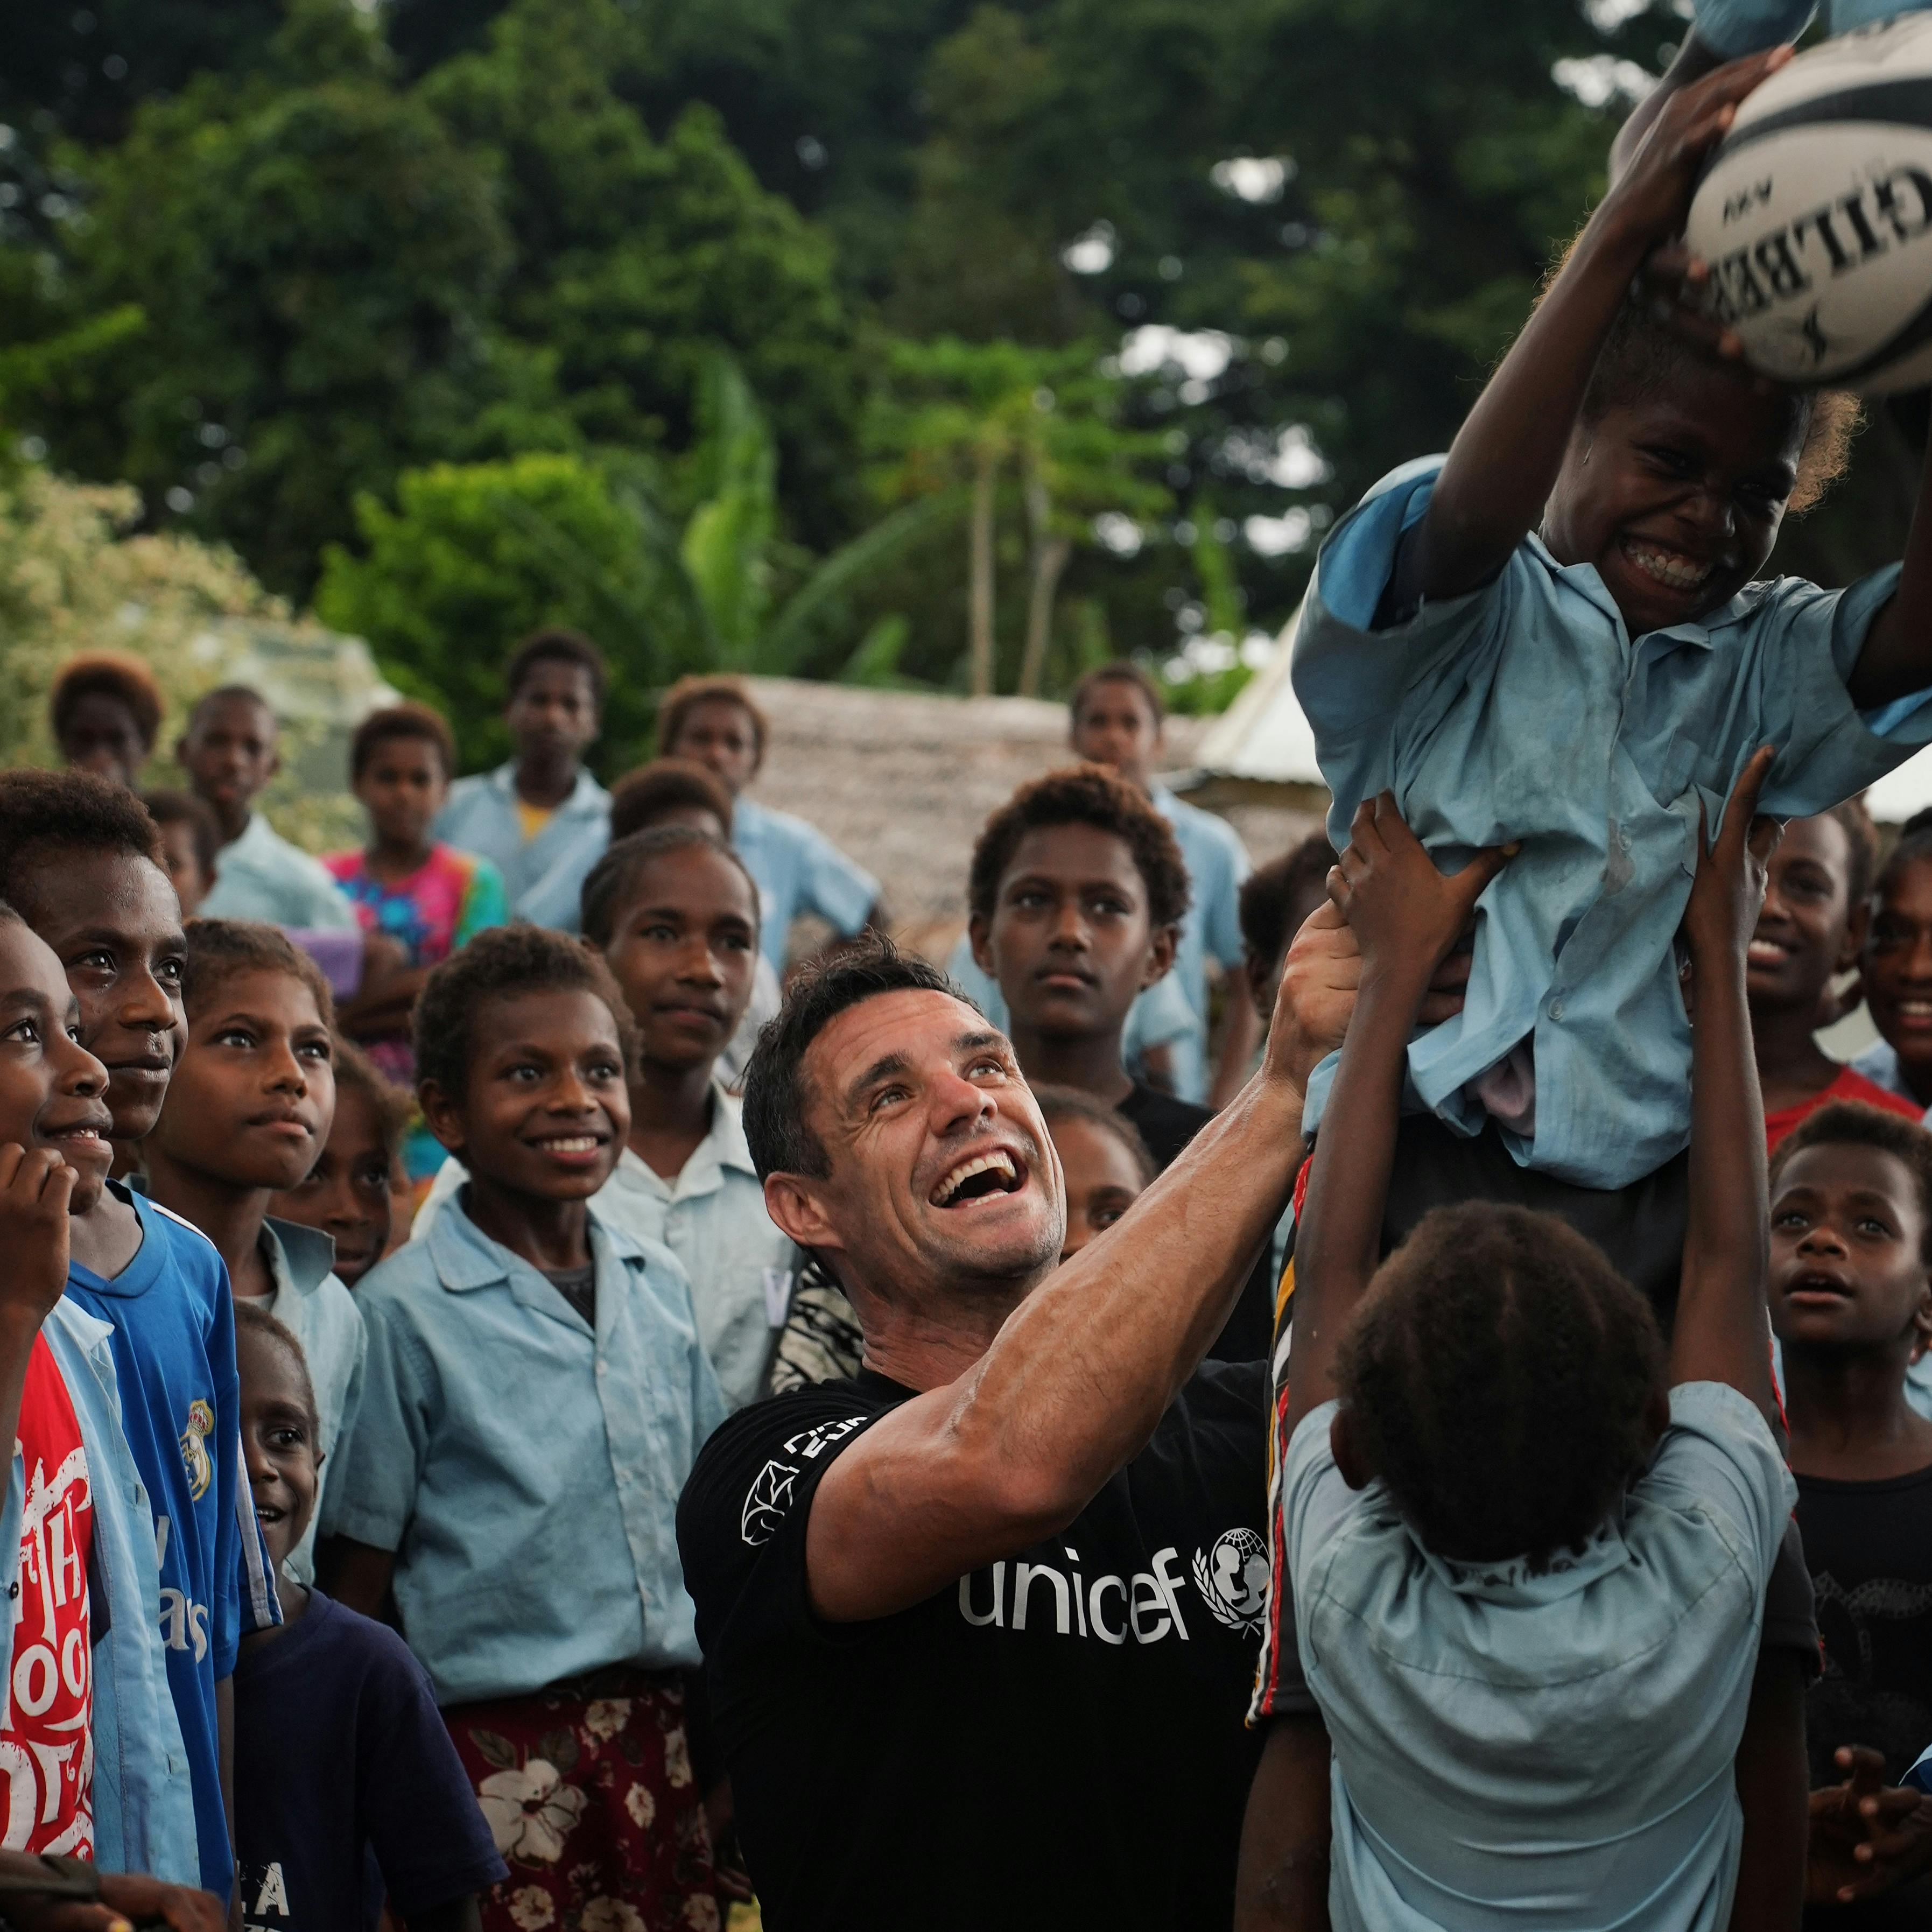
x=980, y=1625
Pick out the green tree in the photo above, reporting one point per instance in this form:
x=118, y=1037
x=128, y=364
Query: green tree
x=475, y=556
x=956, y=414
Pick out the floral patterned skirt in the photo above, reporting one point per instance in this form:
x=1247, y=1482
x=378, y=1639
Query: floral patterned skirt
x=588, y=1789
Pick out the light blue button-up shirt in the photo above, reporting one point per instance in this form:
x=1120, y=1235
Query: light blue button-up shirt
x=1735, y=28
x=481, y=816
x=1217, y=863
x=1552, y=1753
x=741, y=1270
x=525, y=1470
x=143, y=1802
x=1525, y=710
x=312, y=1304
x=796, y=869
x=260, y=875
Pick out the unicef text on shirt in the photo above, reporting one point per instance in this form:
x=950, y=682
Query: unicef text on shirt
x=1145, y=1606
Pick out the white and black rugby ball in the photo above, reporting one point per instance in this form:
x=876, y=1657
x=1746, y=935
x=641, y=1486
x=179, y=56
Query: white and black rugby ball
x=1815, y=214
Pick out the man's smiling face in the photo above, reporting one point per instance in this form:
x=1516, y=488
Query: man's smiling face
x=940, y=1173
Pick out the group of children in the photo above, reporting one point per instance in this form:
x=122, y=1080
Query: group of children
x=1560, y=1355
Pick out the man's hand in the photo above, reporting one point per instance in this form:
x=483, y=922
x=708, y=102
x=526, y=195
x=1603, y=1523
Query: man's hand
x=1728, y=892
x=36, y=1186
x=1321, y=978
x=1866, y=1837
x=128, y=1901
x=1405, y=914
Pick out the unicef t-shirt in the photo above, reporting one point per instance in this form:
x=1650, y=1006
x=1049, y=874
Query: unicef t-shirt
x=174, y=1357
x=1056, y=1739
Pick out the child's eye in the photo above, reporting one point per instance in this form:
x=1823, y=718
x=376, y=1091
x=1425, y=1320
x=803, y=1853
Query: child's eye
x=27, y=1032
x=235, y=1037
x=317, y=1050
x=607, y=1069
x=171, y=971
x=1870, y=1225
x=663, y=935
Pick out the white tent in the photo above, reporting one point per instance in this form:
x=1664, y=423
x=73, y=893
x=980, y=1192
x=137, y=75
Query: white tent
x=1263, y=735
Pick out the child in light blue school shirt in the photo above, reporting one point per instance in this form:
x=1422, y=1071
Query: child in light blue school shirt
x=1528, y=1563
x=1556, y=635
x=530, y=1541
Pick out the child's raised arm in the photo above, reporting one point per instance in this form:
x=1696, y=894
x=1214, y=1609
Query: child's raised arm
x=1722, y=1332
x=1503, y=464
x=1405, y=916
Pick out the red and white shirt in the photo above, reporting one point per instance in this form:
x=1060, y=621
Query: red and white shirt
x=46, y=1735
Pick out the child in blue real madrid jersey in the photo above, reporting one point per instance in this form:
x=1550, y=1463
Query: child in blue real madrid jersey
x=80, y=859
x=536, y=1395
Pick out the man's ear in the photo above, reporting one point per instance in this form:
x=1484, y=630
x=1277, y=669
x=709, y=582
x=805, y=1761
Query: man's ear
x=1161, y=944
x=442, y=1115
x=792, y=1201
x=980, y=936
x=1358, y=1471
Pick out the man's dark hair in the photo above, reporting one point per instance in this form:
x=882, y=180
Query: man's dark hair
x=506, y=963
x=167, y=806
x=640, y=798
x=1501, y=1380
x=1271, y=893
x=222, y=950
x=407, y=720
x=1122, y=670
x=780, y=1140
x=46, y=814
x=1853, y=1123
x=1083, y=795
x=556, y=643
x=251, y=1319
x=607, y=887
x=107, y=674
x=1075, y=1103
x=688, y=693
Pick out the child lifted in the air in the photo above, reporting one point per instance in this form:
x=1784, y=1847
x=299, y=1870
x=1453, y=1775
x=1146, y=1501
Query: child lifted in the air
x=1557, y=637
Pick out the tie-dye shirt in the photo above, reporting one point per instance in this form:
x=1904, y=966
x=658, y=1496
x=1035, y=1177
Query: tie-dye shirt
x=442, y=905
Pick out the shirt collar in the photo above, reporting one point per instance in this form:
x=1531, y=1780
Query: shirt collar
x=465, y=1258
x=586, y=798
x=255, y=837
x=723, y=1146
x=299, y=1258
x=1513, y=1585
x=1584, y=578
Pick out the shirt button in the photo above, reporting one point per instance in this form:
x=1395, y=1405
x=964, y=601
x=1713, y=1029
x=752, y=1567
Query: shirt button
x=1556, y=1009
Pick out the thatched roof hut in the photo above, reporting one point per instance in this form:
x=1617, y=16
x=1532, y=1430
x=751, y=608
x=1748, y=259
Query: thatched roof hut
x=904, y=780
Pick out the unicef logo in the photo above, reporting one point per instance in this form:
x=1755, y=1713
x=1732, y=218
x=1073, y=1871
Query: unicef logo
x=1233, y=1579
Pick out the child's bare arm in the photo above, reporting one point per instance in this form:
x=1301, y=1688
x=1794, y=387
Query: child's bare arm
x=1896, y=659
x=1723, y=1334
x=1503, y=464
x=1405, y=916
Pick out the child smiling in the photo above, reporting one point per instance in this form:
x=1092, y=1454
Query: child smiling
x=530, y=1541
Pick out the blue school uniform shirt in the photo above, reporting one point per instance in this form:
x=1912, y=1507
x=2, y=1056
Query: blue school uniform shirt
x=1735, y=28
x=524, y=1470
x=260, y=875
x=1550, y=1752
x=796, y=869
x=341, y=1757
x=1217, y=863
x=143, y=1805
x=481, y=816
x=173, y=1345
x=1525, y=710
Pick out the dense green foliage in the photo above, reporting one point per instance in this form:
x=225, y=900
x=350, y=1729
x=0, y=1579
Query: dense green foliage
x=1102, y=309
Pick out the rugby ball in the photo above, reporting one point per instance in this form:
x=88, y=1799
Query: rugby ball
x=1815, y=214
